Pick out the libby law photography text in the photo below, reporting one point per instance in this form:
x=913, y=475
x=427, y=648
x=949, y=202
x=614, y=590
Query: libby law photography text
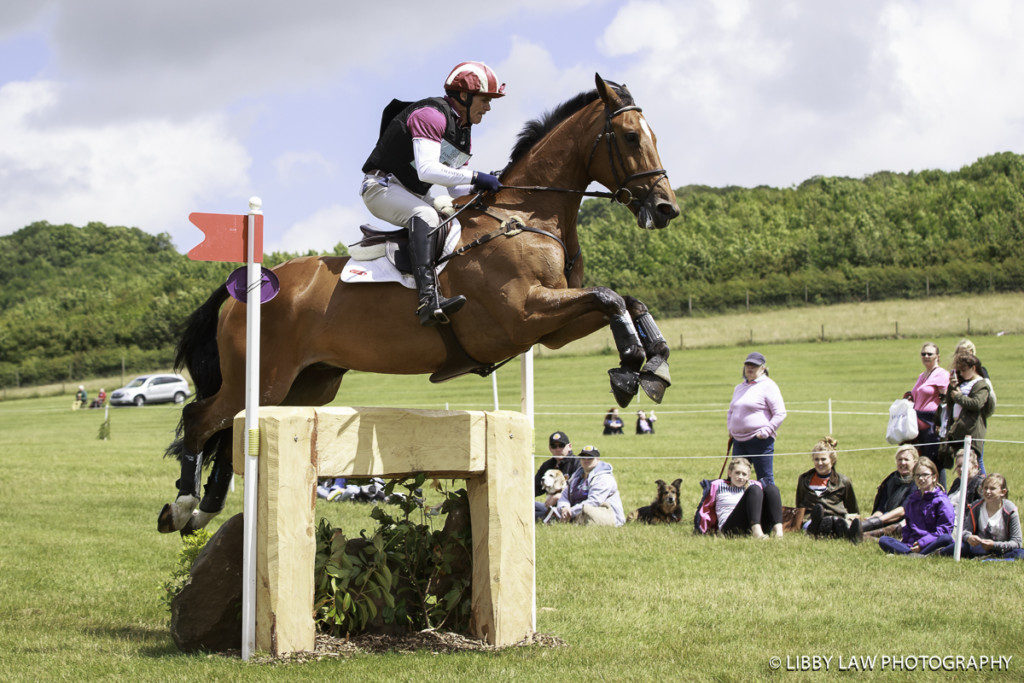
x=891, y=663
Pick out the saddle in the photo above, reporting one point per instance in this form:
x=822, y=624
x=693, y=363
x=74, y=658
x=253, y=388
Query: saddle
x=393, y=244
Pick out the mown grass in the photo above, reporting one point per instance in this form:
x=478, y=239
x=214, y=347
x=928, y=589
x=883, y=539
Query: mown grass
x=81, y=561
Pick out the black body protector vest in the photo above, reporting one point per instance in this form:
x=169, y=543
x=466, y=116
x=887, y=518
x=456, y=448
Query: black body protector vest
x=393, y=152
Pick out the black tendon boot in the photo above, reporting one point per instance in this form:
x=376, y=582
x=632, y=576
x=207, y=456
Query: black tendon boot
x=433, y=309
x=840, y=527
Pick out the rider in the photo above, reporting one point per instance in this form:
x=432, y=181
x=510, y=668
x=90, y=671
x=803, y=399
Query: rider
x=420, y=161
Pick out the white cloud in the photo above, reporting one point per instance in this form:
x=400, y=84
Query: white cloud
x=758, y=93
x=292, y=167
x=139, y=173
x=321, y=231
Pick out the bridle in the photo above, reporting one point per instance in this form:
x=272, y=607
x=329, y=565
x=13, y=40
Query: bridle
x=622, y=194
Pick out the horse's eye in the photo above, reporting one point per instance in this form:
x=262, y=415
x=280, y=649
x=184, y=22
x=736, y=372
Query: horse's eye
x=632, y=138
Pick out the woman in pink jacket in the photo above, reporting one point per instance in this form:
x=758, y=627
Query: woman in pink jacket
x=754, y=416
x=926, y=394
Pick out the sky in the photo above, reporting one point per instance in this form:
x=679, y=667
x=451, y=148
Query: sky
x=139, y=113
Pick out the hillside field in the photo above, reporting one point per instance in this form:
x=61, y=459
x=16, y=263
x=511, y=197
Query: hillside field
x=81, y=561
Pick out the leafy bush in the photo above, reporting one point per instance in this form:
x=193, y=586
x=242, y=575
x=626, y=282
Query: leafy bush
x=191, y=546
x=405, y=576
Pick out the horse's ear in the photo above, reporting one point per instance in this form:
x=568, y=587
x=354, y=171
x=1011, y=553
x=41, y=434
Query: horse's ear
x=607, y=94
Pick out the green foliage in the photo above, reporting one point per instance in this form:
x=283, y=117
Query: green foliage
x=191, y=546
x=828, y=240
x=76, y=301
x=104, y=432
x=405, y=575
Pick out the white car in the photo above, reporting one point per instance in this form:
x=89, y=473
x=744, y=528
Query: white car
x=152, y=389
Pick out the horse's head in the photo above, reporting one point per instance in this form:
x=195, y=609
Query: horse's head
x=624, y=158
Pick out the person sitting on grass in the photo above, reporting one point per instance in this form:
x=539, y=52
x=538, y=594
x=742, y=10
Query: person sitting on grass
x=612, y=422
x=592, y=495
x=991, y=525
x=887, y=510
x=561, y=459
x=928, y=514
x=738, y=506
x=974, y=479
x=828, y=495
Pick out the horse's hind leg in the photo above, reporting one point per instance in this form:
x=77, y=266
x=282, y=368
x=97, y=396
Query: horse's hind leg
x=315, y=385
x=654, y=376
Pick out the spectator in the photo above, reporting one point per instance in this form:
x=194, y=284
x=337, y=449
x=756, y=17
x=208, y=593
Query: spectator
x=561, y=459
x=828, y=495
x=966, y=347
x=966, y=406
x=80, y=398
x=928, y=515
x=754, y=416
x=100, y=399
x=643, y=425
x=926, y=395
x=887, y=510
x=974, y=479
x=651, y=419
x=592, y=496
x=991, y=525
x=738, y=505
x=612, y=422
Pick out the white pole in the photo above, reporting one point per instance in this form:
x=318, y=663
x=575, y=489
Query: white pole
x=252, y=432
x=830, y=416
x=526, y=406
x=958, y=526
x=526, y=376
x=494, y=388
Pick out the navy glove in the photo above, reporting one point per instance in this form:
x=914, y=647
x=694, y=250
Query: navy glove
x=486, y=181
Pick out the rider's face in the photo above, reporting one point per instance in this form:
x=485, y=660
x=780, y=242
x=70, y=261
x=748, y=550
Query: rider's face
x=481, y=105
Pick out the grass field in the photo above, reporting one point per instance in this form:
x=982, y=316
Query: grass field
x=81, y=561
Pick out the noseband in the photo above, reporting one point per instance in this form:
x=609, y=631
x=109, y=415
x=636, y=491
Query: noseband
x=622, y=194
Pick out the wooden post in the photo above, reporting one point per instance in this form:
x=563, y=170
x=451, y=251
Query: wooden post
x=689, y=305
x=968, y=326
x=748, y=301
x=897, y=324
x=927, y=286
x=823, y=332
x=805, y=292
x=491, y=450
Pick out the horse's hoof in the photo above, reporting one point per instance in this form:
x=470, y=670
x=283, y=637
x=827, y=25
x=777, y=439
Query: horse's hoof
x=175, y=515
x=625, y=384
x=165, y=522
x=654, y=378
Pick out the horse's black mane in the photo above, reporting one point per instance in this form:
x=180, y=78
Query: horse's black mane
x=535, y=130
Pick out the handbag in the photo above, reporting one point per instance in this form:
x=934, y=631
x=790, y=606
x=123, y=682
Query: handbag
x=902, y=422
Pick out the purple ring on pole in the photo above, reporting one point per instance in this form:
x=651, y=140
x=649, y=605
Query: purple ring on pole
x=237, y=281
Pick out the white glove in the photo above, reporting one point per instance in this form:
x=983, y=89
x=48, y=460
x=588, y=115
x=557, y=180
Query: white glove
x=443, y=205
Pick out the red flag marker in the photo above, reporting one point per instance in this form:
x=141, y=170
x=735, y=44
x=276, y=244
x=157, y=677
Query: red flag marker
x=225, y=238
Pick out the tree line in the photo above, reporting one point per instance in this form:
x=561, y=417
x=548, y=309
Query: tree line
x=79, y=301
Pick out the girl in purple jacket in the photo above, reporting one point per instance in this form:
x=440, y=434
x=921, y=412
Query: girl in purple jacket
x=928, y=515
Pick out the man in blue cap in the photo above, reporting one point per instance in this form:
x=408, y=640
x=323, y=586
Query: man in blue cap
x=592, y=495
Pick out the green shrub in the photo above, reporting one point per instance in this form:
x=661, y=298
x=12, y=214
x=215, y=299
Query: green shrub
x=191, y=546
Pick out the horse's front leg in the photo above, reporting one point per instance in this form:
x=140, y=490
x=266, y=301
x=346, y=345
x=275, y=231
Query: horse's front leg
x=556, y=317
x=654, y=376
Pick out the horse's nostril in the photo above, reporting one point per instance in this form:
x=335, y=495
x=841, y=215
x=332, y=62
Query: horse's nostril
x=668, y=209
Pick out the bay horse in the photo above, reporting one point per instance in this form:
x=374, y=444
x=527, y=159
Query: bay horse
x=519, y=261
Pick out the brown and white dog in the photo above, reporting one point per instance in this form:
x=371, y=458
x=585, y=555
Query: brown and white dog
x=664, y=509
x=554, y=482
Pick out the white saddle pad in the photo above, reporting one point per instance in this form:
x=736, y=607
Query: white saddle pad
x=376, y=263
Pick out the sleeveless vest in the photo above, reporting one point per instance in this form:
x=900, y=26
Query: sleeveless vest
x=393, y=151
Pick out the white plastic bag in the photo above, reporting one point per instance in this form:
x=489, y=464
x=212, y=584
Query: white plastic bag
x=902, y=422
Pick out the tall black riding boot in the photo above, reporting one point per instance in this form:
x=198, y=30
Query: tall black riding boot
x=433, y=308
x=871, y=523
x=840, y=527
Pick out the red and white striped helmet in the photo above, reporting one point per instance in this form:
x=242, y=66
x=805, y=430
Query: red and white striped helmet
x=474, y=77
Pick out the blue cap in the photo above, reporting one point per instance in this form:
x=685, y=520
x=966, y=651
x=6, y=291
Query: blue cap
x=755, y=358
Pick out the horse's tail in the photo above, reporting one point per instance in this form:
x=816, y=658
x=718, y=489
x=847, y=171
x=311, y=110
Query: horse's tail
x=197, y=351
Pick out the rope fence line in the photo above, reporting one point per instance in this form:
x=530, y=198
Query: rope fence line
x=778, y=455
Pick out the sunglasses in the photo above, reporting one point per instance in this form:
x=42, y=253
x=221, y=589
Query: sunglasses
x=926, y=355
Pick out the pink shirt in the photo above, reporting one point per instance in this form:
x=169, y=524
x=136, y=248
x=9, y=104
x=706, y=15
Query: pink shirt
x=756, y=410
x=926, y=392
